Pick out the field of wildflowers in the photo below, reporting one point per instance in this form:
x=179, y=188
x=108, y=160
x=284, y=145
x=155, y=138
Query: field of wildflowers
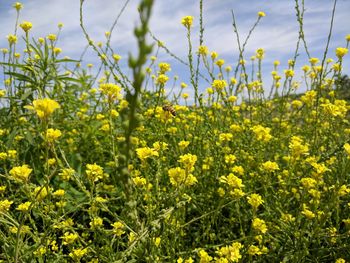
x=109, y=168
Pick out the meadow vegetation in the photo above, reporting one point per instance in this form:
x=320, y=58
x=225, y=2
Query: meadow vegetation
x=111, y=167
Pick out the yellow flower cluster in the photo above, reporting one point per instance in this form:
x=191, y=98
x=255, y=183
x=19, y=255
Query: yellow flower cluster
x=146, y=152
x=297, y=147
x=188, y=161
x=219, y=84
x=44, y=107
x=235, y=185
x=340, y=52
x=52, y=135
x=26, y=26
x=179, y=176
x=270, y=166
x=162, y=79
x=5, y=205
x=259, y=225
x=262, y=133
x=20, y=173
x=94, y=172
x=118, y=228
x=230, y=253
x=112, y=91
x=187, y=21
x=255, y=200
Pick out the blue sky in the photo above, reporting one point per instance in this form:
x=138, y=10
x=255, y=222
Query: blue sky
x=277, y=33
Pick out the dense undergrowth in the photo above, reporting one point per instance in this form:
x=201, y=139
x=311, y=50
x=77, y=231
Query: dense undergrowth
x=110, y=171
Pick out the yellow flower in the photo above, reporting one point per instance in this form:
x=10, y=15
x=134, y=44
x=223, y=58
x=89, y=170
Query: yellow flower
x=231, y=253
x=203, y=50
x=105, y=127
x=20, y=173
x=52, y=37
x=287, y=218
x=343, y=190
x=160, y=146
x=12, y=154
x=255, y=200
x=139, y=181
x=24, y=207
x=347, y=149
x=118, y=228
x=26, y=26
x=179, y=176
x=116, y=57
x=164, y=67
x=260, y=53
x=69, y=238
x=3, y=156
x=270, y=166
x=40, y=193
x=44, y=107
x=254, y=250
x=187, y=21
x=146, y=152
x=276, y=63
x=162, y=79
x=259, y=225
x=78, y=253
x=232, y=98
x=262, y=133
x=40, y=251
x=66, y=174
x=232, y=180
x=289, y=73
x=96, y=222
x=307, y=213
x=213, y=55
x=156, y=241
x=341, y=52
x=183, y=144
x=4, y=50
x=59, y=193
x=230, y=159
x=12, y=39
x=336, y=67
x=5, y=205
x=52, y=135
x=94, y=172
x=204, y=256
x=41, y=40
x=112, y=91
x=314, y=61
x=219, y=84
x=188, y=161
x=183, y=85
x=18, y=6
x=57, y=50
x=2, y=93
x=261, y=14
x=297, y=147
x=308, y=182
x=2, y=188
x=225, y=137
x=220, y=62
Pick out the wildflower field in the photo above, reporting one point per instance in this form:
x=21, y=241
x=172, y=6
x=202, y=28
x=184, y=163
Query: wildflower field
x=111, y=167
